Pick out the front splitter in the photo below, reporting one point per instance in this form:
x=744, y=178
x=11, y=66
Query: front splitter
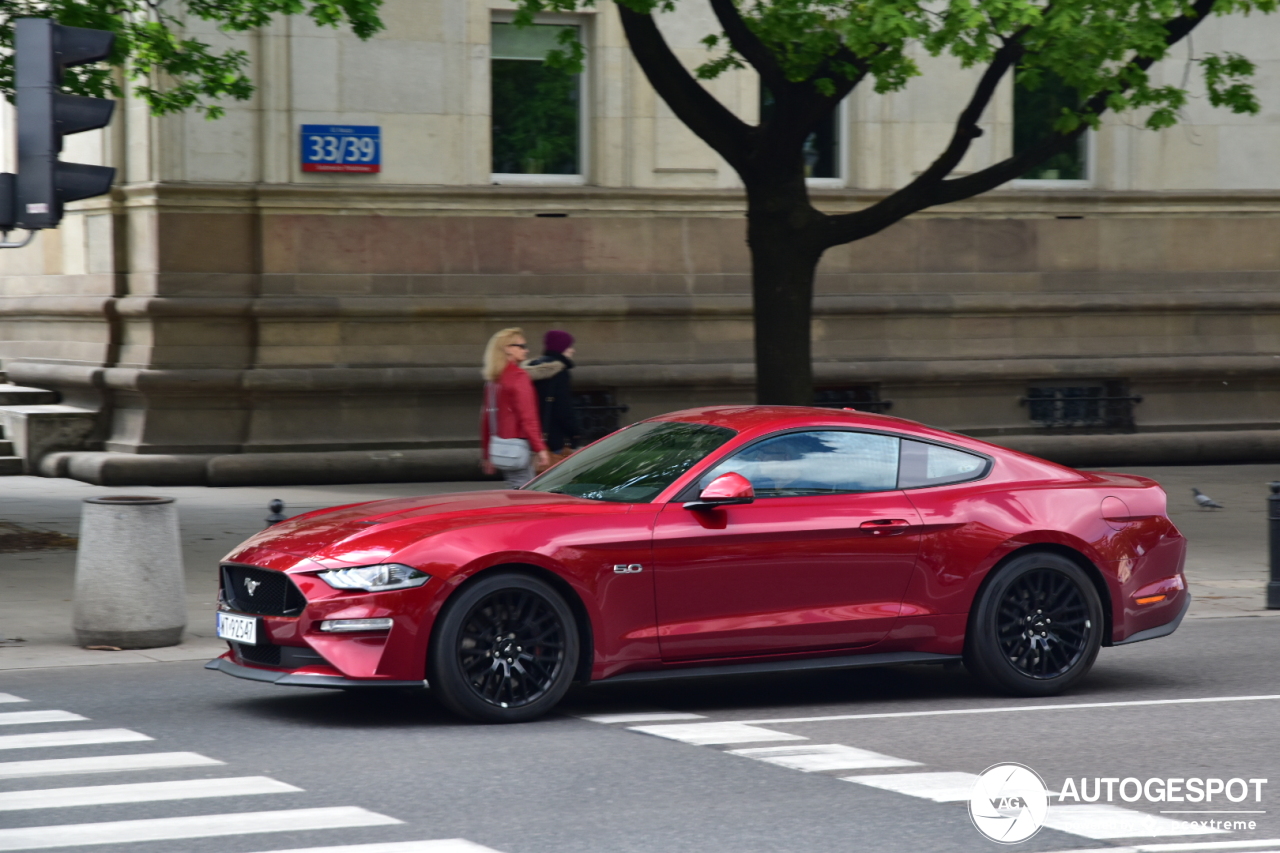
x=300, y=679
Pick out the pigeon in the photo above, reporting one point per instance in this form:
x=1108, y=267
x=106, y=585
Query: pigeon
x=1204, y=501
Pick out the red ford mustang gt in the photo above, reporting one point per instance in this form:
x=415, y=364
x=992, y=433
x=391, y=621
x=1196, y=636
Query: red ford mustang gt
x=712, y=541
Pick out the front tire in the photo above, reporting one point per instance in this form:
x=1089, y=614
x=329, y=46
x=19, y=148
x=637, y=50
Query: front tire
x=1036, y=628
x=504, y=650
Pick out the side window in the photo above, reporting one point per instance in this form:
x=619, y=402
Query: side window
x=815, y=463
x=933, y=465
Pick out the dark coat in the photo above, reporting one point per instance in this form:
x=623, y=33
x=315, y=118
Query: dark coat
x=555, y=403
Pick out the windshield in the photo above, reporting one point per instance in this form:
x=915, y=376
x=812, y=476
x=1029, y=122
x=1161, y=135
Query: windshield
x=634, y=464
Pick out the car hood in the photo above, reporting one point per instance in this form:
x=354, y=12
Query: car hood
x=365, y=533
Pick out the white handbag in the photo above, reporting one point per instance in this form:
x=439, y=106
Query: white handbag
x=506, y=454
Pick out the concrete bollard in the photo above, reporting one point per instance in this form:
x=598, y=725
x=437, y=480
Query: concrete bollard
x=130, y=591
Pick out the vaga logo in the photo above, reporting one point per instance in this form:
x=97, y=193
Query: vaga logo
x=1008, y=803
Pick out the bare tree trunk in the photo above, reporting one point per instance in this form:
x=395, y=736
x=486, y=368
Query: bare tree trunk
x=784, y=258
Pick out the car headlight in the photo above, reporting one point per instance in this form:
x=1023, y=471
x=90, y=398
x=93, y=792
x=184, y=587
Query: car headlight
x=375, y=578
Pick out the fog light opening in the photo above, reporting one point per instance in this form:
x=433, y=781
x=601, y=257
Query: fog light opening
x=349, y=626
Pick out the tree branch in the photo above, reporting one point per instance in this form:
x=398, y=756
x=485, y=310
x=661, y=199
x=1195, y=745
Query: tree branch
x=848, y=226
x=748, y=44
x=930, y=188
x=701, y=112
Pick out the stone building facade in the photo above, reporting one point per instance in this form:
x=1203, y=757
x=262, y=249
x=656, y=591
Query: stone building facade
x=227, y=317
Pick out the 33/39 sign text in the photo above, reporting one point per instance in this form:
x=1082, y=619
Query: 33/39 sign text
x=341, y=148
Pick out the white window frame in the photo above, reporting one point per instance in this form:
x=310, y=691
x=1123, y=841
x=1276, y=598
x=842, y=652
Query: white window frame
x=841, y=179
x=1090, y=158
x=582, y=22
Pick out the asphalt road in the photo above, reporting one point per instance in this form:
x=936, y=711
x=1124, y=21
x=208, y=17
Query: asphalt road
x=570, y=784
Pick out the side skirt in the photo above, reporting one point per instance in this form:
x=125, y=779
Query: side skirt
x=790, y=665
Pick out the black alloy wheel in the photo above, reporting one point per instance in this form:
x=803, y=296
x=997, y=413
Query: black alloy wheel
x=505, y=649
x=1036, y=628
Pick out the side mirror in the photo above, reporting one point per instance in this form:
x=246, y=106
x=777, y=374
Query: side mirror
x=725, y=490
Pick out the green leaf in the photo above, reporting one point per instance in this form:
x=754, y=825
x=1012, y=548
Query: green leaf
x=152, y=45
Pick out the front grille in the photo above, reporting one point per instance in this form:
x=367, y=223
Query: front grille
x=261, y=655
x=286, y=657
x=268, y=593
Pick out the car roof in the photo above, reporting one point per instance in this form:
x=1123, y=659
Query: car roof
x=751, y=418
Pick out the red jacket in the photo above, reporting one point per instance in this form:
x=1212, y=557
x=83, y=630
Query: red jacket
x=517, y=410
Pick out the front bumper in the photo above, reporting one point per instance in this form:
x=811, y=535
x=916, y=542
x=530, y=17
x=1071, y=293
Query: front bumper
x=301, y=679
x=291, y=608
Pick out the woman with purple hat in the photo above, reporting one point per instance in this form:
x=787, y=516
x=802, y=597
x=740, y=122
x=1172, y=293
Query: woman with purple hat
x=555, y=392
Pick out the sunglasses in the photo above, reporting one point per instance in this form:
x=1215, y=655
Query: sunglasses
x=522, y=346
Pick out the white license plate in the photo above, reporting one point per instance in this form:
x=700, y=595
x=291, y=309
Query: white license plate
x=238, y=629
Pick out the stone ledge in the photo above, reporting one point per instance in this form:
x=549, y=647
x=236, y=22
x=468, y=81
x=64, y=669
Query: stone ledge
x=382, y=466
x=1146, y=448
x=586, y=306
x=382, y=380
x=264, y=469
x=488, y=200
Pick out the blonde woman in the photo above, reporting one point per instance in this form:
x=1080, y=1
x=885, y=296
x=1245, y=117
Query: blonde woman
x=510, y=432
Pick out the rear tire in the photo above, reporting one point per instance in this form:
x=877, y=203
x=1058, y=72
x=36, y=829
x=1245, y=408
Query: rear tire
x=1036, y=628
x=504, y=649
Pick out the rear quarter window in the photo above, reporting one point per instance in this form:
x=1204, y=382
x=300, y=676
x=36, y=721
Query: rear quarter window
x=923, y=464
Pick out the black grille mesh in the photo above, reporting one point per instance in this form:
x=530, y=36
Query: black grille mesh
x=287, y=657
x=251, y=590
x=261, y=655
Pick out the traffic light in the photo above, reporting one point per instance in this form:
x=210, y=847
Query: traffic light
x=42, y=50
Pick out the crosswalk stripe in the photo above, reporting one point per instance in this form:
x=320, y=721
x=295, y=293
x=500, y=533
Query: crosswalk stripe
x=439, y=845
x=14, y=718
x=198, y=826
x=103, y=764
x=713, y=733
x=9, y=697
x=647, y=717
x=1077, y=706
x=946, y=787
x=817, y=757
x=43, y=739
x=1100, y=822
x=142, y=792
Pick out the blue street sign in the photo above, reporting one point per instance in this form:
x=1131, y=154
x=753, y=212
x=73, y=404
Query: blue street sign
x=341, y=148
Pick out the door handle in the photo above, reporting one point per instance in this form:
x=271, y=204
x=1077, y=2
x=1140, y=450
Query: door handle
x=885, y=526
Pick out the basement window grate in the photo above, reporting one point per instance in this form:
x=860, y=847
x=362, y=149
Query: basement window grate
x=599, y=414
x=1093, y=406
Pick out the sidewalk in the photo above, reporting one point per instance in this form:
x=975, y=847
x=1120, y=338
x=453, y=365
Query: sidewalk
x=36, y=586
x=1226, y=565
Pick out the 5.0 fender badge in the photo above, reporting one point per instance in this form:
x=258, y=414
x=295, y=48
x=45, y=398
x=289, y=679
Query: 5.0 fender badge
x=629, y=569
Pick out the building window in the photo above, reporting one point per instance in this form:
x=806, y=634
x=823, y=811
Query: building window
x=863, y=397
x=822, y=148
x=537, y=109
x=1104, y=406
x=1034, y=113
